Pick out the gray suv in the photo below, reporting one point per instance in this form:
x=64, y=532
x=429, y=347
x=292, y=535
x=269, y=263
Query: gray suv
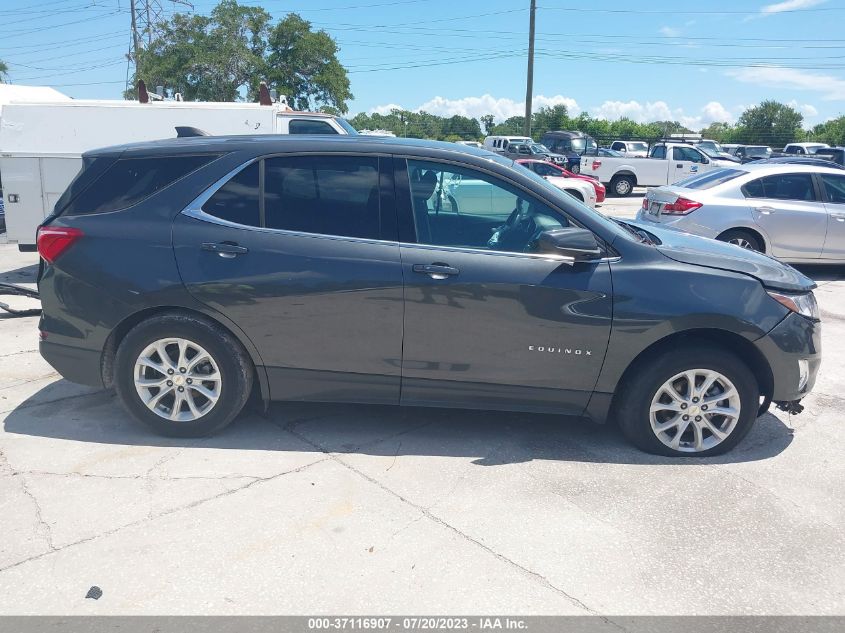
x=192, y=274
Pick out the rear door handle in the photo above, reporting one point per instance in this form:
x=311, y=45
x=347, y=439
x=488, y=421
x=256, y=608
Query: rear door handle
x=765, y=210
x=839, y=217
x=436, y=271
x=225, y=249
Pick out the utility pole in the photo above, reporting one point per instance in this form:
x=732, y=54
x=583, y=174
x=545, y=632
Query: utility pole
x=145, y=15
x=529, y=84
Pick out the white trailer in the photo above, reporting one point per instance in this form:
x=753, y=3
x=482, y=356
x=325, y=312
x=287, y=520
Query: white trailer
x=41, y=144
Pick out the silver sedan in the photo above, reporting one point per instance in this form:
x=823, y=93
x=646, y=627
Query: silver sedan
x=793, y=212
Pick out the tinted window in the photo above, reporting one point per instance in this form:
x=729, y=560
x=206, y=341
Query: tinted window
x=782, y=187
x=618, y=146
x=659, y=152
x=686, y=153
x=544, y=169
x=328, y=195
x=792, y=149
x=130, y=180
x=237, y=200
x=834, y=186
x=304, y=126
x=709, y=178
x=454, y=206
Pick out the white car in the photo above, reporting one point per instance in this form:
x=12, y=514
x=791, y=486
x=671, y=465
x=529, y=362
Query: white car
x=793, y=212
x=581, y=190
x=804, y=148
x=634, y=149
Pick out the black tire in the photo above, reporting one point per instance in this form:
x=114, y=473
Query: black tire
x=634, y=401
x=743, y=239
x=622, y=186
x=576, y=168
x=233, y=363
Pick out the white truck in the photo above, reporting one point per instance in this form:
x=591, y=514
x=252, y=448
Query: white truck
x=41, y=144
x=666, y=163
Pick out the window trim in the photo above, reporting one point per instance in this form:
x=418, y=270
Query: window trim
x=825, y=198
x=194, y=209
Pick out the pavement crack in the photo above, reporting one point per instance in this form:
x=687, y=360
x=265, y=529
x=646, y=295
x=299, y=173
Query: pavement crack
x=47, y=531
x=163, y=513
x=463, y=535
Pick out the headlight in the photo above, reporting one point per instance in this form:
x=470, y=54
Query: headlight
x=804, y=304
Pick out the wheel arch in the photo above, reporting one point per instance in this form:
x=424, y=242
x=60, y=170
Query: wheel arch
x=625, y=172
x=575, y=194
x=755, y=230
x=120, y=331
x=724, y=339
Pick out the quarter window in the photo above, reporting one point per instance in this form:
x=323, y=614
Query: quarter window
x=131, y=180
x=454, y=206
x=781, y=187
x=305, y=126
x=237, y=200
x=328, y=195
x=659, y=152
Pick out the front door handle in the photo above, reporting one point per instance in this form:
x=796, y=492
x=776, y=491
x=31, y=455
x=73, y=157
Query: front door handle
x=680, y=166
x=436, y=270
x=839, y=217
x=765, y=210
x=225, y=249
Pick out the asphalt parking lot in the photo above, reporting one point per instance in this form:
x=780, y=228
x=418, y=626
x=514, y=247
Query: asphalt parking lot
x=361, y=509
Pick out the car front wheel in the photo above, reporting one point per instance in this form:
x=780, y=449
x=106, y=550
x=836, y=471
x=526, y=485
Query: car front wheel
x=182, y=375
x=689, y=402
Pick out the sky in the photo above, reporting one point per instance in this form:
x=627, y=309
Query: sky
x=648, y=60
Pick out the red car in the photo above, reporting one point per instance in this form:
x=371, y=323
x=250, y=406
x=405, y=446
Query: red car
x=543, y=168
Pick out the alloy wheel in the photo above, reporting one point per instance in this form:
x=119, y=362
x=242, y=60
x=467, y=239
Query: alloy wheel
x=177, y=379
x=742, y=243
x=695, y=410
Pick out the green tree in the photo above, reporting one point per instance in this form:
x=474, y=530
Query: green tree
x=488, y=122
x=770, y=123
x=222, y=56
x=718, y=131
x=514, y=126
x=303, y=65
x=549, y=118
x=4, y=70
x=831, y=132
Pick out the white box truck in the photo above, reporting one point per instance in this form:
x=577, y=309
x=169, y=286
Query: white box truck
x=41, y=144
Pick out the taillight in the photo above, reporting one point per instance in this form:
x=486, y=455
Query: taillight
x=645, y=203
x=596, y=164
x=681, y=206
x=55, y=240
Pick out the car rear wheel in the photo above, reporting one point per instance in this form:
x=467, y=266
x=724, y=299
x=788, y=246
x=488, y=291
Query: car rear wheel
x=622, y=185
x=576, y=168
x=182, y=376
x=743, y=239
x=689, y=402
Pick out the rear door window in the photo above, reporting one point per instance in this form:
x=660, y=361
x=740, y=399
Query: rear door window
x=782, y=187
x=305, y=126
x=327, y=195
x=131, y=180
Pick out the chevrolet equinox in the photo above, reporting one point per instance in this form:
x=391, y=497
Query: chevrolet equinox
x=191, y=273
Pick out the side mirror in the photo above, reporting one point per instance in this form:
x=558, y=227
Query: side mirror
x=578, y=244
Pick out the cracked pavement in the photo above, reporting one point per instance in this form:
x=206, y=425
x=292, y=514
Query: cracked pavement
x=319, y=509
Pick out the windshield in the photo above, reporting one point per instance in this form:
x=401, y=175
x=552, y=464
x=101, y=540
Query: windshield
x=537, y=148
x=710, y=152
x=346, y=125
x=709, y=179
x=638, y=147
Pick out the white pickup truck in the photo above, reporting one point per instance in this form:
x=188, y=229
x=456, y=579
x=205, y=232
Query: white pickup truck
x=665, y=164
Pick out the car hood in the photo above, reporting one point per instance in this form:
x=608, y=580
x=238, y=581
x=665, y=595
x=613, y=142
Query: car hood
x=701, y=251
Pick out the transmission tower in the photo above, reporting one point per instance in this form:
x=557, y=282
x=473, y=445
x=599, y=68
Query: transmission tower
x=146, y=16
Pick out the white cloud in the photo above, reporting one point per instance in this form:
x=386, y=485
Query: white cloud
x=476, y=107
x=385, y=109
x=670, y=31
x=660, y=111
x=789, y=5
x=831, y=88
x=807, y=109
